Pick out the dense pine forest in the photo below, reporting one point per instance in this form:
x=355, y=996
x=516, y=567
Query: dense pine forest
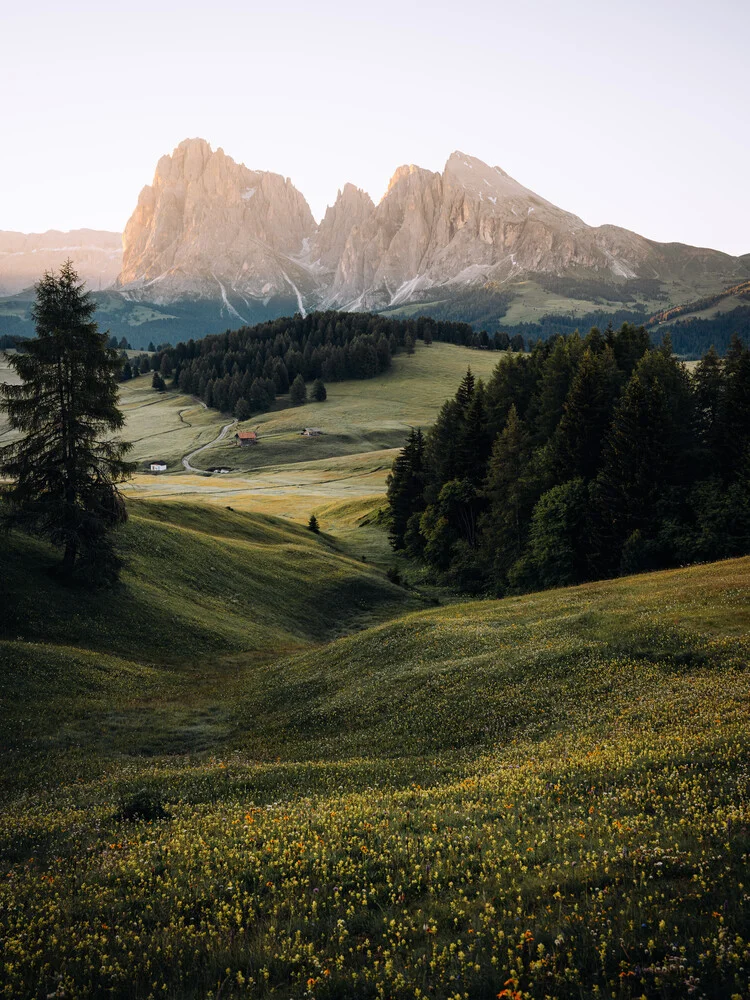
x=589, y=457
x=690, y=336
x=242, y=371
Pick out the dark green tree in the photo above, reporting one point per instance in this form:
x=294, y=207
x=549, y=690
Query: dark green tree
x=405, y=487
x=312, y=525
x=242, y=410
x=577, y=442
x=319, y=393
x=629, y=344
x=158, y=383
x=555, y=555
x=733, y=432
x=556, y=379
x=504, y=526
x=465, y=390
x=65, y=467
x=648, y=456
x=298, y=391
x=709, y=384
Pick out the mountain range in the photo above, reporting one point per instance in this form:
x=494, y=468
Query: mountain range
x=24, y=257
x=216, y=241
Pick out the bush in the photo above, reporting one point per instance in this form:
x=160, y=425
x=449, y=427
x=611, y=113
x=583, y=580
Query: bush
x=142, y=805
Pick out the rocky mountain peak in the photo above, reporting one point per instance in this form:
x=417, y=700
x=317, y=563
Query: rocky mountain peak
x=208, y=224
x=351, y=208
x=212, y=228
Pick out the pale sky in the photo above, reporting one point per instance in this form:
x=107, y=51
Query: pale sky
x=632, y=113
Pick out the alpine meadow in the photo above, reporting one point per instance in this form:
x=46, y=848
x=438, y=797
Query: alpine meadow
x=374, y=530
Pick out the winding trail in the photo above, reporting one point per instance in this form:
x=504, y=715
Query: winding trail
x=220, y=437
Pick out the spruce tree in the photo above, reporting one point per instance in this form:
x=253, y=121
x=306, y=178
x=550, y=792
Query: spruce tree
x=319, y=393
x=505, y=524
x=312, y=525
x=709, y=385
x=65, y=467
x=474, y=443
x=298, y=391
x=577, y=442
x=648, y=456
x=406, y=487
x=734, y=416
x=242, y=409
x=465, y=390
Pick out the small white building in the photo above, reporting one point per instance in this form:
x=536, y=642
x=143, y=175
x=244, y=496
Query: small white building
x=158, y=467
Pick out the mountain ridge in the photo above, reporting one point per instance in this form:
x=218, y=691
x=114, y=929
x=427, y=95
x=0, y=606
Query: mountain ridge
x=97, y=254
x=210, y=227
x=213, y=244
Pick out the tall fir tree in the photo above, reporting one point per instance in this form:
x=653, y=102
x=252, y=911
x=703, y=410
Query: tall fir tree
x=577, y=441
x=65, y=467
x=709, y=384
x=298, y=391
x=405, y=487
x=465, y=390
x=505, y=524
x=733, y=432
x=648, y=456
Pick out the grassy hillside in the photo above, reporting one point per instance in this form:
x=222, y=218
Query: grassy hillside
x=203, y=590
x=538, y=797
x=286, y=474
x=358, y=416
x=165, y=425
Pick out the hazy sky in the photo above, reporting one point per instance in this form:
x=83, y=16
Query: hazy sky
x=634, y=113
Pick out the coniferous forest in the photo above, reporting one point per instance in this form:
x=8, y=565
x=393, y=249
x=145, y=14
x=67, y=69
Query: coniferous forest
x=247, y=368
x=588, y=458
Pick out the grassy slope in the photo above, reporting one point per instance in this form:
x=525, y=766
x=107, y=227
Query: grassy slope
x=359, y=416
x=545, y=795
x=151, y=665
x=165, y=425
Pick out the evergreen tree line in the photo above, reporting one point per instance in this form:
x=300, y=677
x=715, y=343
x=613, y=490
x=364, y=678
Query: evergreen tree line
x=555, y=324
x=690, y=336
x=587, y=458
x=253, y=365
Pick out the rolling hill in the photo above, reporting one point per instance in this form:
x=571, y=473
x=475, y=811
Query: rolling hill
x=540, y=796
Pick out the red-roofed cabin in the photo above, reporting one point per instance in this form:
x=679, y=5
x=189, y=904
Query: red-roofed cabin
x=245, y=438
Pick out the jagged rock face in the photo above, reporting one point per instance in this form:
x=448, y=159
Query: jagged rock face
x=350, y=210
x=470, y=224
x=24, y=257
x=208, y=226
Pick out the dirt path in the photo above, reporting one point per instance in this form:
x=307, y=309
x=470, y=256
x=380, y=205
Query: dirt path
x=187, y=458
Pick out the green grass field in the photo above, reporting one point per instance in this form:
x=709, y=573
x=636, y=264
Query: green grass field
x=363, y=423
x=209, y=794
x=358, y=416
x=202, y=587
x=259, y=769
